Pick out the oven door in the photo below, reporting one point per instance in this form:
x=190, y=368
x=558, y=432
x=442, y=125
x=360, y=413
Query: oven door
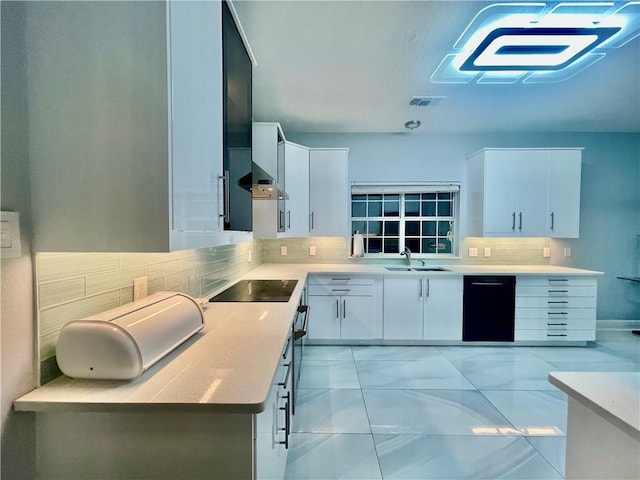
x=299, y=338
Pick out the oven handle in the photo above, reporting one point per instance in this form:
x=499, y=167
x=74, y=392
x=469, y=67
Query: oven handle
x=301, y=332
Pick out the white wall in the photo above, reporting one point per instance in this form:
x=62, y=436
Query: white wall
x=17, y=317
x=610, y=198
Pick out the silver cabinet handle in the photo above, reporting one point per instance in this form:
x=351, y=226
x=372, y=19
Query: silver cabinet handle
x=340, y=289
x=338, y=308
x=420, y=288
x=557, y=324
x=556, y=334
x=289, y=219
x=557, y=279
x=558, y=291
x=344, y=308
x=311, y=223
x=285, y=381
x=520, y=221
x=557, y=313
x=428, y=287
x=340, y=279
x=280, y=220
x=227, y=195
x=552, y=220
x=513, y=221
x=564, y=302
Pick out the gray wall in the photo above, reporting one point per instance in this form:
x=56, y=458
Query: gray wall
x=17, y=334
x=610, y=198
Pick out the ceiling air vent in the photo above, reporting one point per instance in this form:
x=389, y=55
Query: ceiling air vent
x=424, y=101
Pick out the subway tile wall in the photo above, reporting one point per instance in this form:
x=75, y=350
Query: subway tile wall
x=76, y=285
x=515, y=251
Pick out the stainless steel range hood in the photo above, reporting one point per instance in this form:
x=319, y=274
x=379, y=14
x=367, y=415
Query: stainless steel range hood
x=261, y=185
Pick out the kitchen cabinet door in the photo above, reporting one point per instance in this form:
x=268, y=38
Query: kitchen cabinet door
x=296, y=215
x=531, y=192
x=500, y=175
x=403, y=308
x=358, y=318
x=563, y=210
x=133, y=142
x=324, y=322
x=443, y=308
x=329, y=192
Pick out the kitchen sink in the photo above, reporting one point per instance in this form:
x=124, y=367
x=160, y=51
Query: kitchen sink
x=417, y=269
x=430, y=269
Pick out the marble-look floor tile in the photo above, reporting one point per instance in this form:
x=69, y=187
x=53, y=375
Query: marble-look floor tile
x=595, y=366
x=330, y=411
x=390, y=352
x=554, y=449
x=532, y=412
x=327, y=352
x=332, y=456
x=459, y=354
x=445, y=412
x=621, y=343
x=418, y=457
x=329, y=374
x=592, y=353
x=507, y=375
x=437, y=373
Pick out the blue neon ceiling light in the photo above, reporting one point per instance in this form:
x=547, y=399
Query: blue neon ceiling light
x=537, y=42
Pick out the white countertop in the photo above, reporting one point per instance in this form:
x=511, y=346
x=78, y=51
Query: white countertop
x=229, y=365
x=615, y=396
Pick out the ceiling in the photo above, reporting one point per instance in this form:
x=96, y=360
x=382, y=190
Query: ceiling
x=353, y=66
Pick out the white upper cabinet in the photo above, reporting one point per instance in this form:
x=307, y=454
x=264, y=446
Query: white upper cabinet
x=524, y=193
x=563, y=208
x=329, y=192
x=296, y=213
x=126, y=151
x=289, y=163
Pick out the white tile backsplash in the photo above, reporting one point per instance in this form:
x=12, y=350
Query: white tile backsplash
x=71, y=286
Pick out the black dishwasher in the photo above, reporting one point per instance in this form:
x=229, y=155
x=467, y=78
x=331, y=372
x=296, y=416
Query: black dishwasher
x=488, y=308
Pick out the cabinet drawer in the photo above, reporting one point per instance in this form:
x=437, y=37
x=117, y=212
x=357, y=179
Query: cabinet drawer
x=344, y=290
x=556, y=291
x=555, y=324
x=556, y=281
x=555, y=336
x=340, y=279
x=554, y=303
x=556, y=313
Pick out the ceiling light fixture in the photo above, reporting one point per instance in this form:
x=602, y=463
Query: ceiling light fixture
x=412, y=124
x=537, y=42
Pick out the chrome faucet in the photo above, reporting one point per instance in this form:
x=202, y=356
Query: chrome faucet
x=407, y=252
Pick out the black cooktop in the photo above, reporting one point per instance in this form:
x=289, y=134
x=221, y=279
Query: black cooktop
x=257, y=291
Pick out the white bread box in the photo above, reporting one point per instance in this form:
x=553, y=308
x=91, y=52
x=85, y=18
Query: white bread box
x=121, y=343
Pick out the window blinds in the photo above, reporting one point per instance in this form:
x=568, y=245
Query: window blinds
x=359, y=188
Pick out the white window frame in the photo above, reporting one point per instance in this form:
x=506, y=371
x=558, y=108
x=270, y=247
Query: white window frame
x=394, y=188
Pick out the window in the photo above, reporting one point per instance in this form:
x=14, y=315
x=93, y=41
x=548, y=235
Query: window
x=420, y=217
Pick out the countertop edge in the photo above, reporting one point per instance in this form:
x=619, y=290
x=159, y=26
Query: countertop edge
x=631, y=430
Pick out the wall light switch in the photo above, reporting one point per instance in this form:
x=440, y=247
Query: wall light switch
x=283, y=250
x=487, y=251
x=546, y=252
x=567, y=251
x=312, y=251
x=10, y=234
x=473, y=252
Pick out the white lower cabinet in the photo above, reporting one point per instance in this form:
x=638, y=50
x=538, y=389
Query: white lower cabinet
x=555, y=308
x=422, y=308
x=273, y=425
x=345, y=307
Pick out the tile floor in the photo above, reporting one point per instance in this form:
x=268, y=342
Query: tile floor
x=440, y=412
